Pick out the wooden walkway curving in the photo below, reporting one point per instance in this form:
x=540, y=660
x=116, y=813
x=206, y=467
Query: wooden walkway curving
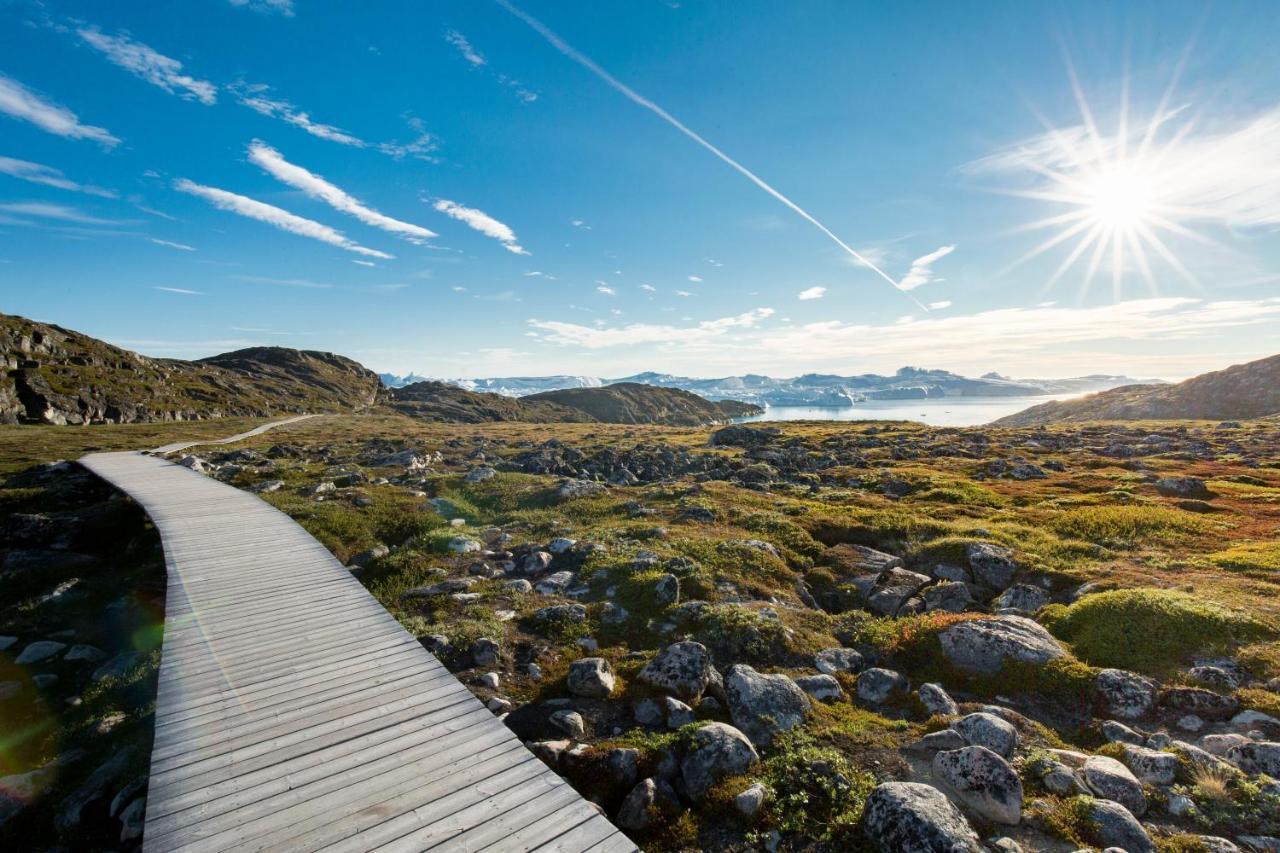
x=295, y=713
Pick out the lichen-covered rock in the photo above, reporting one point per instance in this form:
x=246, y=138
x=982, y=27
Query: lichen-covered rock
x=1256, y=757
x=910, y=817
x=591, y=677
x=717, y=751
x=992, y=565
x=831, y=661
x=950, y=597
x=1024, y=597
x=1112, y=825
x=1111, y=780
x=983, y=645
x=1151, y=766
x=988, y=730
x=683, y=670
x=982, y=781
x=637, y=810
x=876, y=685
x=763, y=705
x=821, y=687
x=1195, y=700
x=1124, y=694
x=937, y=701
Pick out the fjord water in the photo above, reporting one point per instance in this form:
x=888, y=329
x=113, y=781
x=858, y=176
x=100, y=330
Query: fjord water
x=943, y=411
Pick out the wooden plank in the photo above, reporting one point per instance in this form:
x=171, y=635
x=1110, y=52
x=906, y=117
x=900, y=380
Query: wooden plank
x=295, y=713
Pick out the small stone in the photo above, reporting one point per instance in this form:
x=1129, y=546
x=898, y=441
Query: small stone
x=831, y=661
x=749, y=802
x=485, y=652
x=937, y=701
x=984, y=729
x=591, y=677
x=876, y=685
x=824, y=688
x=41, y=650
x=490, y=680
x=569, y=722
x=678, y=713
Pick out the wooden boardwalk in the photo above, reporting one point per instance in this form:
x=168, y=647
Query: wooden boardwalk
x=295, y=713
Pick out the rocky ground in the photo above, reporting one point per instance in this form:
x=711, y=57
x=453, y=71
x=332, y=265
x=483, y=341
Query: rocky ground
x=836, y=636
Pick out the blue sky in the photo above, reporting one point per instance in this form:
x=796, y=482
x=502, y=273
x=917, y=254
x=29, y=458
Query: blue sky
x=480, y=188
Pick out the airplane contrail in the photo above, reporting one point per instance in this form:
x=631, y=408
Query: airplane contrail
x=634, y=96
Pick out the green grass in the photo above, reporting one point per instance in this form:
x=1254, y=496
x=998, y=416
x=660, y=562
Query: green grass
x=1153, y=631
x=1257, y=558
x=1129, y=525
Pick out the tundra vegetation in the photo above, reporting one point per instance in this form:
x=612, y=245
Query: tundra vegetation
x=794, y=636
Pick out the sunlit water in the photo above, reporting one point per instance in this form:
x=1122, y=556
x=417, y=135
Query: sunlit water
x=944, y=411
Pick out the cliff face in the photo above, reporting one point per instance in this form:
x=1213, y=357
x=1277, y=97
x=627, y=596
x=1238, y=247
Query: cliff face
x=58, y=376
x=1242, y=391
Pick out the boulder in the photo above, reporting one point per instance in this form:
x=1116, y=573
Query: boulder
x=1117, y=732
x=717, y=751
x=1112, y=825
x=591, y=677
x=1024, y=597
x=1195, y=700
x=1111, y=780
x=569, y=722
x=937, y=701
x=992, y=565
x=485, y=652
x=681, y=669
x=983, y=645
x=831, y=661
x=39, y=651
x=1151, y=766
x=988, y=730
x=910, y=817
x=763, y=705
x=1183, y=487
x=876, y=685
x=949, y=597
x=637, y=810
x=982, y=781
x=821, y=687
x=1124, y=694
x=1256, y=757
x=571, y=489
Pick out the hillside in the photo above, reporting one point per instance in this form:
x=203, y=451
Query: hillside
x=58, y=376
x=634, y=403
x=1249, y=390
x=622, y=404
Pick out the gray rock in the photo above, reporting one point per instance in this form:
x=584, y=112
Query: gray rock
x=623, y=765
x=876, y=685
x=939, y=741
x=763, y=705
x=910, y=817
x=1151, y=766
x=1111, y=780
x=479, y=475
x=463, y=545
x=40, y=650
x=569, y=722
x=1024, y=597
x=1117, y=732
x=821, y=687
x=7, y=642
x=1256, y=757
x=681, y=669
x=571, y=489
x=1219, y=744
x=666, y=590
x=554, y=584
x=1113, y=825
x=536, y=563
x=637, y=810
x=950, y=597
x=95, y=786
x=485, y=652
x=982, y=781
x=1058, y=779
x=648, y=713
x=133, y=820
x=717, y=751
x=1183, y=487
x=831, y=661
x=937, y=701
x=1195, y=700
x=983, y=645
x=750, y=801
x=517, y=585
x=984, y=729
x=591, y=677
x=678, y=713
x=992, y=565
x=1124, y=694
x=561, y=613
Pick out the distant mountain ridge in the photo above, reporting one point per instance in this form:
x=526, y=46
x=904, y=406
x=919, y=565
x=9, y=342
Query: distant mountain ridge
x=812, y=389
x=1242, y=391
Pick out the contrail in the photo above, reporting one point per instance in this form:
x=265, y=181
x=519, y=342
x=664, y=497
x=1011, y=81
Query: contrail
x=634, y=96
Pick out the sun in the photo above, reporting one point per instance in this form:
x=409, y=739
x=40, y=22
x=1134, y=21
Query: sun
x=1115, y=196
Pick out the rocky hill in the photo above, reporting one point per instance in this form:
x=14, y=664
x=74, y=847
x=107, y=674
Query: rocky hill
x=622, y=404
x=634, y=403
x=1242, y=391
x=57, y=376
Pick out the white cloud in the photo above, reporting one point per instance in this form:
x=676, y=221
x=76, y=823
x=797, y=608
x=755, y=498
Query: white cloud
x=939, y=305
x=649, y=288
x=482, y=222
x=180, y=246
x=156, y=68
x=812, y=293
x=284, y=282
x=20, y=102
x=695, y=278
x=48, y=176
x=540, y=274
x=921, y=271
x=318, y=188
x=578, y=223
x=606, y=289
x=469, y=53
x=272, y=215
x=255, y=97
x=683, y=293
x=182, y=290
x=279, y=7
x=44, y=210
x=421, y=147
x=364, y=263
x=590, y=337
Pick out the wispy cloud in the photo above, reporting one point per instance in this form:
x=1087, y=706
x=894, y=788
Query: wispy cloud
x=278, y=7
x=256, y=97
x=364, y=263
x=539, y=274
x=20, y=102
x=695, y=279
x=172, y=245
x=48, y=176
x=61, y=212
x=284, y=282
x=939, y=305
x=921, y=271
x=272, y=215
x=638, y=99
x=811, y=293
x=156, y=68
x=683, y=293
x=648, y=288
x=318, y=188
x=182, y=290
x=482, y=222
x=579, y=223
x=606, y=289
x=421, y=147
x=590, y=337
x=469, y=53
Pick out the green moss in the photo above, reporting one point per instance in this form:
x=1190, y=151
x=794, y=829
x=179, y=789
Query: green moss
x=815, y=791
x=1256, y=699
x=1151, y=630
x=1260, y=559
x=1069, y=819
x=1128, y=525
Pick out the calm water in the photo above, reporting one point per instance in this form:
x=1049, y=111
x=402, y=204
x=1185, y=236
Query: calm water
x=947, y=411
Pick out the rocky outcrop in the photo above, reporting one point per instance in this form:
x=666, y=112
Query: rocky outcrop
x=983, y=645
x=717, y=752
x=982, y=781
x=764, y=705
x=909, y=817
